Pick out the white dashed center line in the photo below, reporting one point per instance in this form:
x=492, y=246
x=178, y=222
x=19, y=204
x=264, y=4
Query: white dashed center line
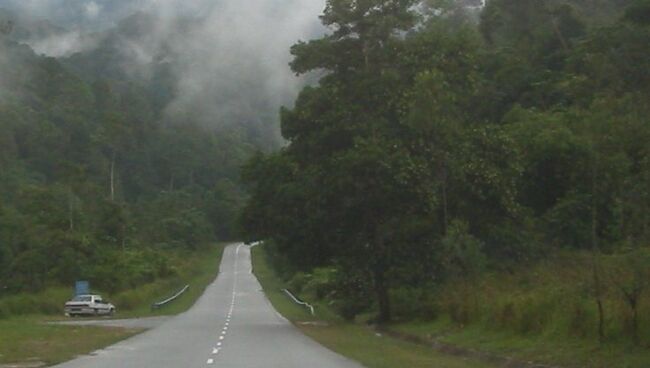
x=224, y=331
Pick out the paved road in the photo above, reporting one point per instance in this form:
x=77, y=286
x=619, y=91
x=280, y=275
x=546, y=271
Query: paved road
x=232, y=325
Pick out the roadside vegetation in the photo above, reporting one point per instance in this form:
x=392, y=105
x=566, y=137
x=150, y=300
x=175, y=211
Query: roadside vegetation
x=544, y=312
x=471, y=170
x=197, y=269
x=96, y=182
x=27, y=336
x=30, y=342
x=356, y=341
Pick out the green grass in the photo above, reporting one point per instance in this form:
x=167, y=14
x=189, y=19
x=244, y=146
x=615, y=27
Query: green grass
x=549, y=349
x=28, y=339
x=544, y=312
x=273, y=286
x=355, y=341
x=198, y=271
x=49, y=301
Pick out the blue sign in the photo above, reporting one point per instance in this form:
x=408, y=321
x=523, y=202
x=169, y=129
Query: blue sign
x=81, y=288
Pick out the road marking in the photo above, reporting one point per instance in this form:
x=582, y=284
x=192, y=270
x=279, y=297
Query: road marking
x=224, y=331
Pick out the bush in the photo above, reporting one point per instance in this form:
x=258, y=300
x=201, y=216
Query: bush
x=418, y=303
x=298, y=282
x=581, y=320
x=47, y=302
x=321, y=283
x=351, y=293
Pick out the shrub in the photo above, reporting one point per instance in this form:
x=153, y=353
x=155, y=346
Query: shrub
x=409, y=302
x=321, y=283
x=298, y=282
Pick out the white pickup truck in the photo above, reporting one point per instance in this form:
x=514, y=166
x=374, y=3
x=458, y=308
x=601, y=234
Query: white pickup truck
x=92, y=305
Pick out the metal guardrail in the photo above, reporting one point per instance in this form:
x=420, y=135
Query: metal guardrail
x=298, y=301
x=170, y=299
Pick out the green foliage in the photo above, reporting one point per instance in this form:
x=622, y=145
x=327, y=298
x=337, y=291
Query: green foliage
x=463, y=253
x=638, y=12
x=91, y=181
x=45, y=302
x=145, y=277
x=544, y=312
x=435, y=150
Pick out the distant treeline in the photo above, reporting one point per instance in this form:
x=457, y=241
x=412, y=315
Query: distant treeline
x=443, y=143
x=92, y=184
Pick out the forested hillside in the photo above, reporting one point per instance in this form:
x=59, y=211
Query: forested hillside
x=95, y=182
x=441, y=149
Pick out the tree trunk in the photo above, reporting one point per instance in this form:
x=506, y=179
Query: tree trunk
x=599, y=302
x=635, y=322
x=123, y=237
x=560, y=36
x=113, y=177
x=381, y=284
x=445, y=206
x=383, y=298
x=70, y=210
x=596, y=256
x=646, y=223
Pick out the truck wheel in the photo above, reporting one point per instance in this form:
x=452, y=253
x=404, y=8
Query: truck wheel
x=111, y=312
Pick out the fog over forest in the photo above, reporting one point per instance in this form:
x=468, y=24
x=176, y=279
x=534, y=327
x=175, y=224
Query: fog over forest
x=126, y=124
x=228, y=58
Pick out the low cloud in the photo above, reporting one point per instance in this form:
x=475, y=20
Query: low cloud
x=230, y=57
x=236, y=61
x=92, y=10
x=64, y=44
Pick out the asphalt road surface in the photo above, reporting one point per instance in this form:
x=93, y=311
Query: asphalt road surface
x=232, y=325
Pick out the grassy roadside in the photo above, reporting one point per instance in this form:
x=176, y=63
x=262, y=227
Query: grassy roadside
x=29, y=339
x=550, y=349
x=544, y=312
x=198, y=271
x=355, y=341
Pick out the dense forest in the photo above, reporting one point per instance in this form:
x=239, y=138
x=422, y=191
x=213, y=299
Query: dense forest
x=97, y=181
x=449, y=142
x=444, y=149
